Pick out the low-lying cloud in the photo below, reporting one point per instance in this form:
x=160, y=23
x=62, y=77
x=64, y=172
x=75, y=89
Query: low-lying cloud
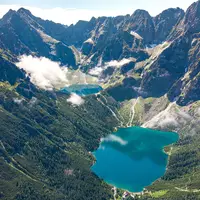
x=114, y=138
x=97, y=71
x=75, y=99
x=49, y=75
x=43, y=72
x=120, y=63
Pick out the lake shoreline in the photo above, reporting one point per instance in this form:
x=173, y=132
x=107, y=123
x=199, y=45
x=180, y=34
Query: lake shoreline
x=144, y=190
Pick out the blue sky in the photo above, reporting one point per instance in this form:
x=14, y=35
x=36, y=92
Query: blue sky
x=69, y=11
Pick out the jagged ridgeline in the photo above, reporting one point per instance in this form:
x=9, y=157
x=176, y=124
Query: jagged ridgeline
x=149, y=70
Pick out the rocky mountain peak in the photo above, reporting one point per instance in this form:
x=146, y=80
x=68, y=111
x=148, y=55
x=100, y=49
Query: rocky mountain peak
x=169, y=13
x=142, y=23
x=8, y=16
x=190, y=24
x=24, y=11
x=165, y=22
x=10, y=13
x=192, y=18
x=141, y=13
x=13, y=16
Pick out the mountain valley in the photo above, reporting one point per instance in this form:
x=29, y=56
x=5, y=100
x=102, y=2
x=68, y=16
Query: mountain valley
x=144, y=71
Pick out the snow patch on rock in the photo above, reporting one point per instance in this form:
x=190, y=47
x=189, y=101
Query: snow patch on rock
x=133, y=33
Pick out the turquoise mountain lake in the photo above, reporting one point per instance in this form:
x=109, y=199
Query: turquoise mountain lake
x=82, y=89
x=133, y=158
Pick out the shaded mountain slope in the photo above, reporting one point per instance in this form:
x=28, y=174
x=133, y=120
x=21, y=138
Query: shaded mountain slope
x=96, y=37
x=44, y=145
x=173, y=67
x=32, y=40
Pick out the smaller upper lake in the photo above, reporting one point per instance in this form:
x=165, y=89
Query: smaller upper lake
x=133, y=158
x=82, y=89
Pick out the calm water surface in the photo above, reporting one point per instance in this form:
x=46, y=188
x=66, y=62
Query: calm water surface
x=83, y=89
x=133, y=158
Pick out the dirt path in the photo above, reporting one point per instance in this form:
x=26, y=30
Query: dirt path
x=132, y=113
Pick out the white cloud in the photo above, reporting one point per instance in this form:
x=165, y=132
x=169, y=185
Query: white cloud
x=64, y=15
x=43, y=72
x=114, y=138
x=96, y=71
x=113, y=63
x=49, y=75
x=120, y=63
x=197, y=112
x=75, y=99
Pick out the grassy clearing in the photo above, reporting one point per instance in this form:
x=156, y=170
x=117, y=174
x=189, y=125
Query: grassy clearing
x=159, y=194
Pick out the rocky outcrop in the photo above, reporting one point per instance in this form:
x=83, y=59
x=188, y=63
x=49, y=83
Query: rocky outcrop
x=165, y=22
x=191, y=20
x=9, y=72
x=32, y=40
x=190, y=24
x=167, y=69
x=142, y=23
x=186, y=89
